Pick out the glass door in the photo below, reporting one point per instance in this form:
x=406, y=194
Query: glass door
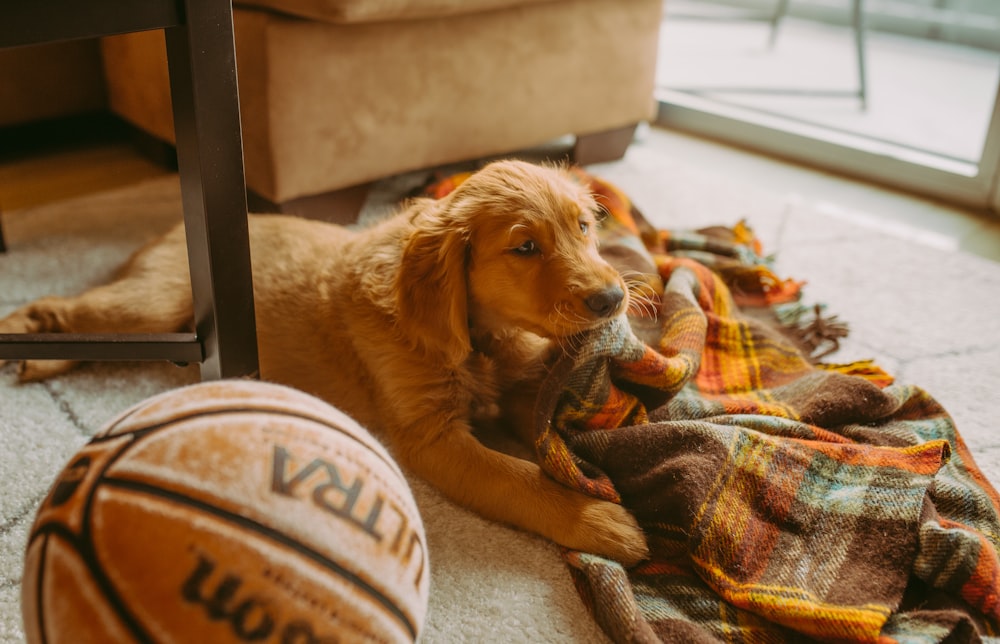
x=904, y=92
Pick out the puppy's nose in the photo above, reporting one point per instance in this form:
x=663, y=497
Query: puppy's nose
x=606, y=301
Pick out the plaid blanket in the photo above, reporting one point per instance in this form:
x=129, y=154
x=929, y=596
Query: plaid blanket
x=784, y=499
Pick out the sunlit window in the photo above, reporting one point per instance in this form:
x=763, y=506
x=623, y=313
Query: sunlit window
x=914, y=81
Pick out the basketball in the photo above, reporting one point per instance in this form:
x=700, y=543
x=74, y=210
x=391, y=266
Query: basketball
x=228, y=511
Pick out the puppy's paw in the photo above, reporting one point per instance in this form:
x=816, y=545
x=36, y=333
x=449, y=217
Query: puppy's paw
x=16, y=322
x=42, y=316
x=35, y=370
x=609, y=530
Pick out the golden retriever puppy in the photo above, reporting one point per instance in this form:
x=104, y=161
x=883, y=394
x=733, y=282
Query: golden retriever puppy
x=412, y=326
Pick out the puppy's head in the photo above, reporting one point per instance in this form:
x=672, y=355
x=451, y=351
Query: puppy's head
x=533, y=260
x=515, y=246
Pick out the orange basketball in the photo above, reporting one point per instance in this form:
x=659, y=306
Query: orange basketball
x=230, y=511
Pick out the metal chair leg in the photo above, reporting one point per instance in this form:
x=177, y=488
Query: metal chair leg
x=210, y=160
x=858, y=23
x=779, y=13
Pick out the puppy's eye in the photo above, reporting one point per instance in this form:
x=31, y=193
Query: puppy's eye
x=527, y=248
x=584, y=227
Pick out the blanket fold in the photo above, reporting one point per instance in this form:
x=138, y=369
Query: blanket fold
x=784, y=499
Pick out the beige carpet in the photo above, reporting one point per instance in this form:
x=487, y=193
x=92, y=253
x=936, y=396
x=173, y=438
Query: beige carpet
x=930, y=317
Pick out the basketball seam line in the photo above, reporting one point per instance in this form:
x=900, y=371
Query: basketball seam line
x=275, y=535
x=275, y=411
x=40, y=592
x=83, y=546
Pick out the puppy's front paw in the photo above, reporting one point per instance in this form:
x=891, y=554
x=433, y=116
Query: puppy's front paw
x=609, y=530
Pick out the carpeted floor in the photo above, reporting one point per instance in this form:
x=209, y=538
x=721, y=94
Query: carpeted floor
x=928, y=316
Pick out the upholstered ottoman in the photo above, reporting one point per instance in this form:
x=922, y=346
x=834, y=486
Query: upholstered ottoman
x=336, y=93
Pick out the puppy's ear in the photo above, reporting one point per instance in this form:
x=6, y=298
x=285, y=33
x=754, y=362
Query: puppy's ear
x=431, y=289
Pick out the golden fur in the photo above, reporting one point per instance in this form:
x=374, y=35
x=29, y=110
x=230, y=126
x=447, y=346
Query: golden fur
x=413, y=326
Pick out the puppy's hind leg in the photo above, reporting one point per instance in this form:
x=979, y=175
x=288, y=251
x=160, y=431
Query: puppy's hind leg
x=151, y=294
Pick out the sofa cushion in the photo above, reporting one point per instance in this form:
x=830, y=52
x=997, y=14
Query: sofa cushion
x=325, y=106
x=357, y=11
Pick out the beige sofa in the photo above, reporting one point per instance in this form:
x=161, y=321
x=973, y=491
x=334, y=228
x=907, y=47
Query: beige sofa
x=337, y=93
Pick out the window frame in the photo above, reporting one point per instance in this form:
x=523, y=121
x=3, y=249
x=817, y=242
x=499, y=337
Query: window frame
x=972, y=185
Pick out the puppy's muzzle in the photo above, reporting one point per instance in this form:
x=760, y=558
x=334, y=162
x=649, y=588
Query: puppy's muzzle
x=605, y=303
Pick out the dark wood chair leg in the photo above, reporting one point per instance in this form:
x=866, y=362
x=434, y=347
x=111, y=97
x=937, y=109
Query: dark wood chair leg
x=3, y=242
x=201, y=58
x=600, y=147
